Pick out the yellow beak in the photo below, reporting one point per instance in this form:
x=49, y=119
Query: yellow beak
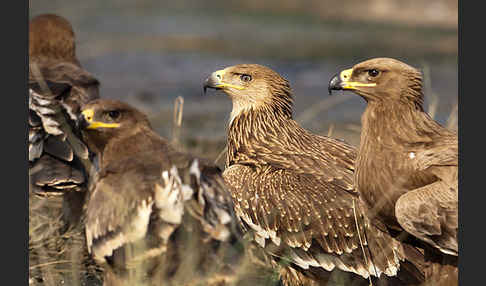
x=345, y=75
x=216, y=81
x=88, y=115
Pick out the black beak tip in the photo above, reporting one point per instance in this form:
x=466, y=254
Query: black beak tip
x=209, y=84
x=334, y=84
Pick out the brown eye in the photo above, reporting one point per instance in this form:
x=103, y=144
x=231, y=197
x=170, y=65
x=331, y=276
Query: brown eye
x=373, y=72
x=114, y=114
x=245, y=77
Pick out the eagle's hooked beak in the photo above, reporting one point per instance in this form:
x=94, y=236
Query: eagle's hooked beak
x=334, y=84
x=342, y=81
x=215, y=80
x=86, y=121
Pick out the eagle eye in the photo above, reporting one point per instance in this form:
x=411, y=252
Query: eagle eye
x=373, y=72
x=114, y=114
x=245, y=77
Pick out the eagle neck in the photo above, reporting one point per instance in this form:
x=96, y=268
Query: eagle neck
x=394, y=124
x=129, y=145
x=251, y=128
x=391, y=134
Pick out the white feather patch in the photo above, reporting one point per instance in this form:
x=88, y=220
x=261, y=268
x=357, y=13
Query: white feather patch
x=326, y=261
x=240, y=106
x=187, y=192
x=223, y=216
x=194, y=169
x=262, y=234
x=168, y=198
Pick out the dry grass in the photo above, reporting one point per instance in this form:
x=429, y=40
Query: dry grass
x=57, y=255
x=177, y=120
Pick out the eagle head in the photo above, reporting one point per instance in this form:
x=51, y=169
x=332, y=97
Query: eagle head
x=101, y=120
x=52, y=37
x=252, y=87
x=381, y=79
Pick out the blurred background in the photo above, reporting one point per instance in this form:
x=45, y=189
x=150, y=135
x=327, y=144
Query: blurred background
x=149, y=52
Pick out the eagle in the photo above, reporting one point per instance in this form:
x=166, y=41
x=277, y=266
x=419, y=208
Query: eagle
x=407, y=162
x=293, y=190
x=154, y=215
x=59, y=165
x=58, y=86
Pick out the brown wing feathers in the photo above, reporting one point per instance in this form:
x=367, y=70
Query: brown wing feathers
x=121, y=206
x=294, y=210
x=58, y=86
x=119, y=192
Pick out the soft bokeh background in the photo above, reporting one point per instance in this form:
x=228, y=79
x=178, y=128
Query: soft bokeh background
x=149, y=52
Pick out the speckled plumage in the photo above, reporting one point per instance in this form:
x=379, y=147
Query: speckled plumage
x=153, y=211
x=293, y=190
